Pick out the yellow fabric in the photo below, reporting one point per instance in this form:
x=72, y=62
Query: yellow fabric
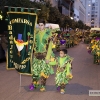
x=49, y=51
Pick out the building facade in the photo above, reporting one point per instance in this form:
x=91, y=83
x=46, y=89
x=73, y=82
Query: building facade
x=80, y=10
x=93, y=13
x=66, y=7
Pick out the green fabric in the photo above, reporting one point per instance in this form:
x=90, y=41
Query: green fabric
x=20, y=59
x=61, y=76
x=41, y=41
x=49, y=52
x=39, y=66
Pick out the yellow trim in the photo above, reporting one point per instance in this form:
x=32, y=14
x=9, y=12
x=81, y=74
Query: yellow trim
x=7, y=59
x=20, y=44
x=25, y=74
x=7, y=62
x=22, y=13
x=33, y=43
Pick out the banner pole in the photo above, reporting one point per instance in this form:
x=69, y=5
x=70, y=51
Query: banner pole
x=20, y=84
x=21, y=7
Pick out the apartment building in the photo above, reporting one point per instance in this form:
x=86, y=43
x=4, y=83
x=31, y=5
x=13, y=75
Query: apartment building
x=93, y=13
x=66, y=7
x=80, y=10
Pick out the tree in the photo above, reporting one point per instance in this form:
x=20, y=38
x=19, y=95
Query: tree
x=81, y=24
x=44, y=10
x=54, y=15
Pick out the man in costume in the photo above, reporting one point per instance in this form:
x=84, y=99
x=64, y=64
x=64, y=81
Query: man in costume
x=42, y=53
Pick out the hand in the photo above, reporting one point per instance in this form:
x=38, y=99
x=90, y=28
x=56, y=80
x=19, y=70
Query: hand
x=47, y=61
x=67, y=76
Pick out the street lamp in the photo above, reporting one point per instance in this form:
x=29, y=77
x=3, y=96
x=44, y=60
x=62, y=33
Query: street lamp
x=69, y=7
x=71, y=17
x=1, y=17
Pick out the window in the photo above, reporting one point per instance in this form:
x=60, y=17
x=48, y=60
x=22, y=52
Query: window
x=93, y=4
x=93, y=8
x=74, y=14
x=92, y=15
x=95, y=15
x=92, y=18
x=92, y=22
x=93, y=12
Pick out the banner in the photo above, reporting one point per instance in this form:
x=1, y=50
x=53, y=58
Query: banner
x=21, y=36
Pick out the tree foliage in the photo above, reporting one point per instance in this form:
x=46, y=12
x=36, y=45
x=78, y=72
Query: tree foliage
x=47, y=12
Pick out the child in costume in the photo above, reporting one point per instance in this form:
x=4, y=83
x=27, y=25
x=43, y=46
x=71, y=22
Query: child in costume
x=63, y=73
x=42, y=53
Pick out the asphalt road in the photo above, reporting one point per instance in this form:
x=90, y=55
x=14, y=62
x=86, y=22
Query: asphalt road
x=86, y=77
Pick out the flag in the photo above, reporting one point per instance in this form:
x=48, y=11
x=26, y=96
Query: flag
x=21, y=27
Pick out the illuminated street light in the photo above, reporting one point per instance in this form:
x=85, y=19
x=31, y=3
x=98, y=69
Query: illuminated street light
x=89, y=5
x=1, y=17
x=71, y=17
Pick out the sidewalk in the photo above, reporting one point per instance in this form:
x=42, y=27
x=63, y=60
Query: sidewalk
x=86, y=77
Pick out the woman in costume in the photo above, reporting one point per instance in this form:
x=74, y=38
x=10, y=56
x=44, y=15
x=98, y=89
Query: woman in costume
x=63, y=73
x=42, y=53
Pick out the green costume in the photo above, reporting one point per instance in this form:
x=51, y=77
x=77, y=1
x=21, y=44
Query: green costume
x=63, y=70
x=42, y=52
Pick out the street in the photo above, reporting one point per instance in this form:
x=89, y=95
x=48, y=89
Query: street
x=86, y=76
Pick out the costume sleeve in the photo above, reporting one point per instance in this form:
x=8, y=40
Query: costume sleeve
x=49, y=51
x=53, y=63
x=68, y=68
x=70, y=58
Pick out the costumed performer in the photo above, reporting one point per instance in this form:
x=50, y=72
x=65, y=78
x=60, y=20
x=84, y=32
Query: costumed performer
x=42, y=53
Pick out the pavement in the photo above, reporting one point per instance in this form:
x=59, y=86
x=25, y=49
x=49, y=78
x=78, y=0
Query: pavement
x=86, y=77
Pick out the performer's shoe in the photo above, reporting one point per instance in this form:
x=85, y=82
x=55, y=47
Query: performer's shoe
x=62, y=91
x=42, y=89
x=58, y=88
x=31, y=87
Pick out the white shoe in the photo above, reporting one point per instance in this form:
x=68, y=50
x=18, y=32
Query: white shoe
x=62, y=91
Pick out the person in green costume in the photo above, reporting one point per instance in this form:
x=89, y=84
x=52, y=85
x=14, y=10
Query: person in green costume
x=42, y=53
x=63, y=73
